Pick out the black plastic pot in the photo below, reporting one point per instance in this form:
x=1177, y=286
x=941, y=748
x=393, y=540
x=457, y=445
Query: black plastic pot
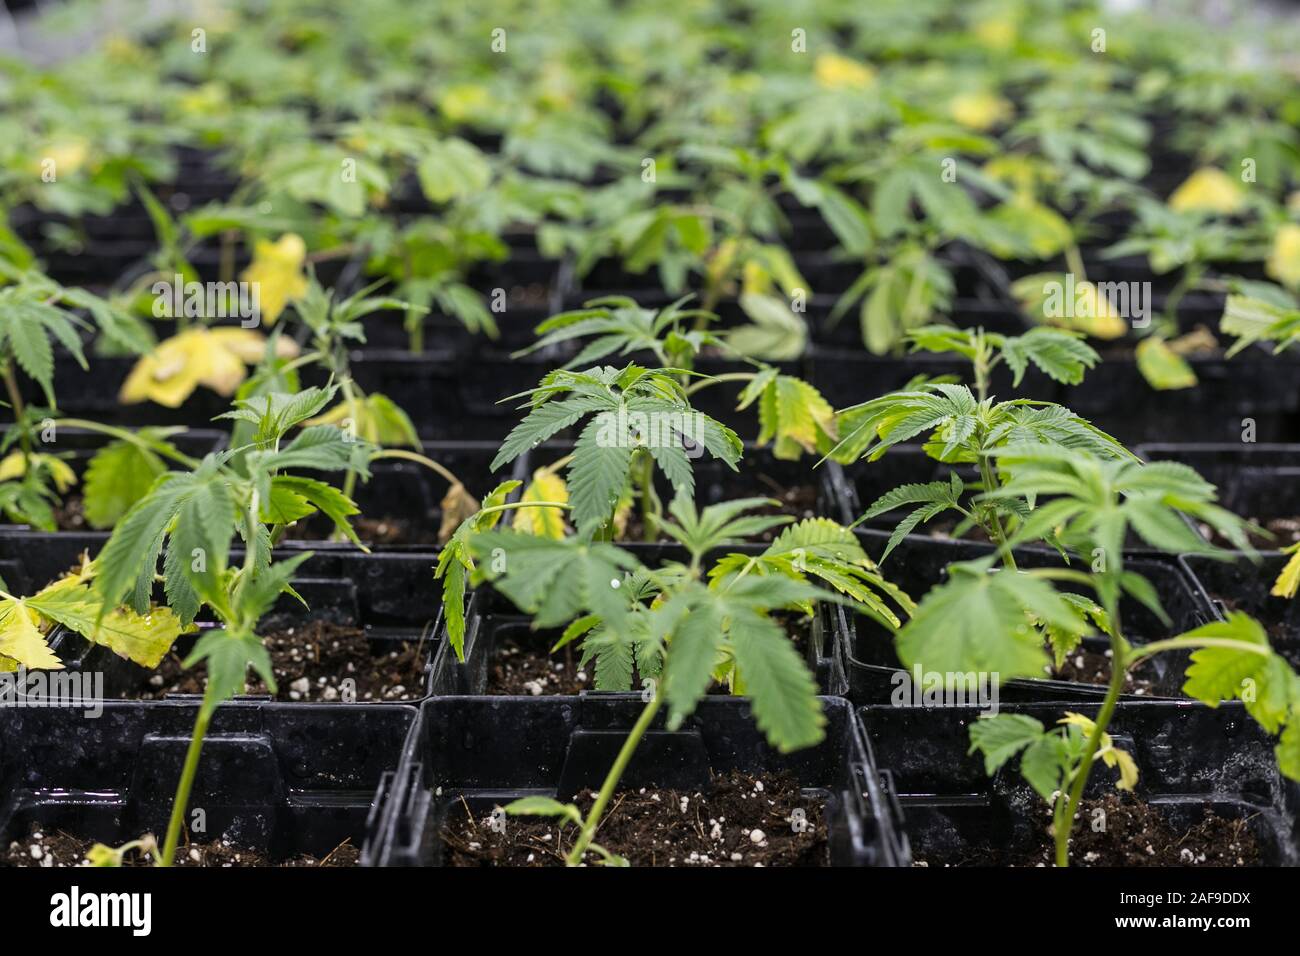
x=488, y=751
x=1231, y=394
x=1240, y=584
x=491, y=621
x=392, y=598
x=1190, y=758
x=918, y=564
x=280, y=780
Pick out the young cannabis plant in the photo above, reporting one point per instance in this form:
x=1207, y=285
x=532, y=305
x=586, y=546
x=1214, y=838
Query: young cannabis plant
x=960, y=429
x=638, y=420
x=994, y=621
x=791, y=412
x=246, y=491
x=679, y=629
x=1061, y=355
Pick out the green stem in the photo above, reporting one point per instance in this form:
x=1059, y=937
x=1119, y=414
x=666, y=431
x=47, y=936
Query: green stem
x=128, y=436
x=186, y=784
x=1064, y=821
x=611, y=780
x=651, y=506
x=510, y=505
x=718, y=379
x=20, y=410
x=419, y=460
x=995, y=528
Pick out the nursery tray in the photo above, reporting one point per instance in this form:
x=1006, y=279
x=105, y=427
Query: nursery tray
x=490, y=751
x=1239, y=583
x=1189, y=757
x=277, y=779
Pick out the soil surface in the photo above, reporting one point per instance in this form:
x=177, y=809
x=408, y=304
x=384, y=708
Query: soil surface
x=71, y=515
x=59, y=849
x=742, y=821
x=310, y=664
x=1135, y=834
x=1092, y=667
x=525, y=668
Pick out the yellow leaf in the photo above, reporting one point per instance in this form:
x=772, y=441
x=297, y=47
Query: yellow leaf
x=1284, y=259
x=14, y=466
x=1288, y=582
x=68, y=156
x=214, y=358
x=835, y=72
x=1162, y=367
x=21, y=637
x=980, y=110
x=1128, y=771
x=997, y=33
x=543, y=522
x=1208, y=190
x=464, y=102
x=276, y=273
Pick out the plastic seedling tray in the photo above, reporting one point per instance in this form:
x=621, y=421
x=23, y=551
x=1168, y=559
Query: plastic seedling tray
x=1189, y=758
x=489, y=751
x=1240, y=584
x=277, y=779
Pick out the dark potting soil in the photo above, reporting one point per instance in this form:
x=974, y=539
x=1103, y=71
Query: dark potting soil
x=310, y=664
x=1135, y=834
x=742, y=821
x=59, y=849
x=529, y=669
x=70, y=515
x=1091, y=667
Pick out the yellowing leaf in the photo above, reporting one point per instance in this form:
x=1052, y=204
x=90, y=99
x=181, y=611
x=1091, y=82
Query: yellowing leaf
x=14, y=466
x=68, y=156
x=1111, y=757
x=1288, y=581
x=1208, y=190
x=375, y=418
x=997, y=33
x=980, y=110
x=464, y=102
x=213, y=358
x=21, y=638
x=276, y=273
x=1162, y=367
x=835, y=72
x=1284, y=259
x=546, y=522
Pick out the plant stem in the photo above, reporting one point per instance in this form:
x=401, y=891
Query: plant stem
x=188, y=771
x=611, y=780
x=651, y=506
x=995, y=522
x=419, y=460
x=127, y=436
x=20, y=410
x=1064, y=822
x=717, y=379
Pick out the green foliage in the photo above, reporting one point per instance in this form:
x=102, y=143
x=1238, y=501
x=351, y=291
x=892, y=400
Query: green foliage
x=628, y=410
